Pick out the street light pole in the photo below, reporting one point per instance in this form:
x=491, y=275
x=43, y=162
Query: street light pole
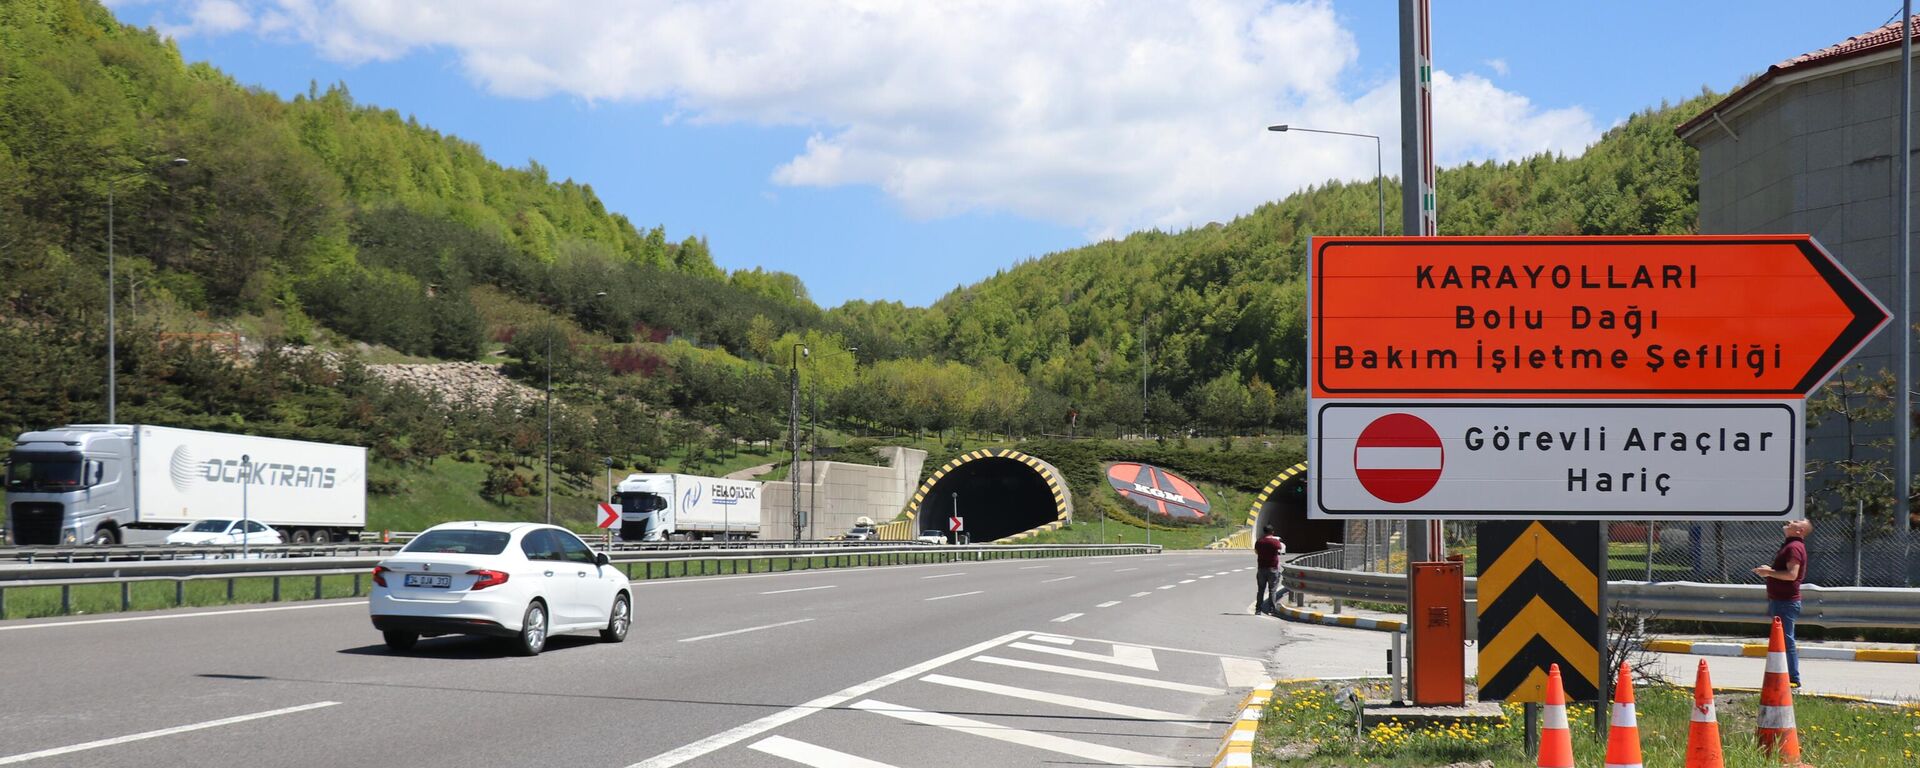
x=1379, y=170
x=547, y=484
x=246, y=484
x=113, y=411
x=793, y=434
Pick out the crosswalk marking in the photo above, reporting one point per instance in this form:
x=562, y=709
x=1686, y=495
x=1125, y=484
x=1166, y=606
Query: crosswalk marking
x=1123, y=655
x=1076, y=748
x=1243, y=673
x=813, y=755
x=1077, y=702
x=1145, y=682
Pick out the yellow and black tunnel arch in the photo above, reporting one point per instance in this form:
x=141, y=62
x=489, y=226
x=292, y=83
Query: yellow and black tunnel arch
x=998, y=494
x=1283, y=505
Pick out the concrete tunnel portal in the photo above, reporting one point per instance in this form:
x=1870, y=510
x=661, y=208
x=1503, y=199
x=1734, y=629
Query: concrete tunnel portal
x=1283, y=505
x=998, y=493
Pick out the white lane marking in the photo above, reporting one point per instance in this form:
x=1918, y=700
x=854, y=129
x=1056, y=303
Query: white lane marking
x=1062, y=578
x=1140, y=594
x=1108, y=604
x=746, y=731
x=122, y=620
x=1046, y=697
x=962, y=594
x=21, y=758
x=1031, y=567
x=1186, y=581
x=1068, y=617
x=1124, y=570
x=1080, y=749
x=1168, y=586
x=801, y=589
x=1160, y=647
x=809, y=754
x=1244, y=673
x=1222, y=573
x=1208, y=576
x=748, y=629
x=1110, y=677
x=1124, y=655
x=944, y=575
x=1055, y=639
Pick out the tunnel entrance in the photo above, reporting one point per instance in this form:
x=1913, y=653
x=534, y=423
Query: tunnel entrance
x=1283, y=505
x=997, y=496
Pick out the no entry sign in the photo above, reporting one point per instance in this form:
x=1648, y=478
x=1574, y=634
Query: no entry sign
x=1398, y=457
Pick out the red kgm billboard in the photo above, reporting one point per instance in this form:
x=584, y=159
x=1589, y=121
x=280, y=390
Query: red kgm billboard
x=1160, y=491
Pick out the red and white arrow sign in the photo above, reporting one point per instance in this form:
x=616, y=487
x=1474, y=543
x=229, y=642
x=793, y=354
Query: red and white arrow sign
x=609, y=517
x=956, y=523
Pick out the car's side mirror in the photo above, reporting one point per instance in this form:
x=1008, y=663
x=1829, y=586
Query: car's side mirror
x=600, y=558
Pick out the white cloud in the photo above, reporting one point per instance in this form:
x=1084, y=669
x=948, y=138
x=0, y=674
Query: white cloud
x=1106, y=115
x=210, y=17
x=1499, y=66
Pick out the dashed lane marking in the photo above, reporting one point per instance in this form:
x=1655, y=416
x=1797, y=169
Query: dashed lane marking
x=1062, y=578
x=362, y=603
x=801, y=589
x=1068, y=617
x=944, y=575
x=743, y=631
x=1140, y=594
x=1166, y=586
x=962, y=594
x=1124, y=570
x=1108, y=604
x=1186, y=581
x=57, y=751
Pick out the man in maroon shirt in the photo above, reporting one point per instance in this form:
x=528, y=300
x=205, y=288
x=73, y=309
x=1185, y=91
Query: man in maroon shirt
x=1784, y=575
x=1267, y=552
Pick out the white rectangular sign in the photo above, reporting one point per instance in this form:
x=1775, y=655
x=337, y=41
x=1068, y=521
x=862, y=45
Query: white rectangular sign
x=1562, y=460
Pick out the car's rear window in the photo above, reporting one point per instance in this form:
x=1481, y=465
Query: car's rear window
x=461, y=542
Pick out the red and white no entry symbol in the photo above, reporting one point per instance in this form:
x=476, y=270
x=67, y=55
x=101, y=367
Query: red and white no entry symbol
x=1398, y=458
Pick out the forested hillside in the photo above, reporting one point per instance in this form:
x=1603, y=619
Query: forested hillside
x=319, y=223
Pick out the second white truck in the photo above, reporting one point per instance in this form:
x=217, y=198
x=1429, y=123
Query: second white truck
x=660, y=507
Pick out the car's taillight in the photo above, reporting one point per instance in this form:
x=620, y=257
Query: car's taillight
x=380, y=575
x=488, y=578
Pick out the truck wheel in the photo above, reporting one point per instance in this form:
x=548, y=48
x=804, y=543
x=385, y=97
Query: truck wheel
x=400, y=641
x=533, y=631
x=619, y=620
x=300, y=536
x=104, y=537
x=322, y=536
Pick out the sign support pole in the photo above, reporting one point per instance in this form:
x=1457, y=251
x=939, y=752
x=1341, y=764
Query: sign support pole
x=1602, y=714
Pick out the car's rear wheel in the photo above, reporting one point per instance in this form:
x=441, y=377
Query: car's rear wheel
x=533, y=630
x=400, y=641
x=619, y=621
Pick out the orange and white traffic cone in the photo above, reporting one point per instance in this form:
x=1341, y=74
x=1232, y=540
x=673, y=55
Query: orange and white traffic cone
x=1556, y=740
x=1777, y=732
x=1623, y=738
x=1703, y=734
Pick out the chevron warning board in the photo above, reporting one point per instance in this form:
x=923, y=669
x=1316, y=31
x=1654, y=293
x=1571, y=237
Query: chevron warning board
x=1539, y=595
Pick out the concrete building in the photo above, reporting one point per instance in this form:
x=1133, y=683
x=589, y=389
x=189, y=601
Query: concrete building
x=840, y=493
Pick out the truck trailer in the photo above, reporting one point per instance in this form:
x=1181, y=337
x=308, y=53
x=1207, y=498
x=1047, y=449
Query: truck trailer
x=105, y=484
x=659, y=507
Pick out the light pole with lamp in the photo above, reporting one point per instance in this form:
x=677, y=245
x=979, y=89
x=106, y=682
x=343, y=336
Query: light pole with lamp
x=113, y=412
x=793, y=433
x=246, y=484
x=813, y=445
x=1379, y=170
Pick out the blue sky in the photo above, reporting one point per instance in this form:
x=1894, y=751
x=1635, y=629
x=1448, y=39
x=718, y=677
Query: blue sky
x=895, y=151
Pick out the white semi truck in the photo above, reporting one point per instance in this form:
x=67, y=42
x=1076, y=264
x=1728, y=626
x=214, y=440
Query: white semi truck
x=659, y=507
x=108, y=484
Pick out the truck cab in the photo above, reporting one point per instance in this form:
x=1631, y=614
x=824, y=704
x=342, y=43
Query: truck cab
x=70, y=485
x=645, y=507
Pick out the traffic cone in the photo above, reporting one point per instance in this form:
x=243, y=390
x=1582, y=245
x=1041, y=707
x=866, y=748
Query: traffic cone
x=1703, y=735
x=1556, y=740
x=1623, y=738
x=1777, y=732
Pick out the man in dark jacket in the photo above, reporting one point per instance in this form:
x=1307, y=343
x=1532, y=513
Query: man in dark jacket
x=1267, y=553
x=1784, y=576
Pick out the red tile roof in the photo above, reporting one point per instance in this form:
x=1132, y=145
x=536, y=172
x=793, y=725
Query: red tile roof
x=1868, y=42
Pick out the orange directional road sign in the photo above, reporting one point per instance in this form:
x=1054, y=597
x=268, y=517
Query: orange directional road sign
x=1708, y=316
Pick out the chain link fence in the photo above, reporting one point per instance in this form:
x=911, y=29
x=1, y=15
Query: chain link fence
x=1841, y=552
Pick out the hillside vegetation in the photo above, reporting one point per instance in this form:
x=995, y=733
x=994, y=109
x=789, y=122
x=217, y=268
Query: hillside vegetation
x=320, y=224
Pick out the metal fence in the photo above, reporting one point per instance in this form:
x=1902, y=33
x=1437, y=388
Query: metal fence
x=1840, y=552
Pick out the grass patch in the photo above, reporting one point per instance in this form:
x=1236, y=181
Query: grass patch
x=1305, y=727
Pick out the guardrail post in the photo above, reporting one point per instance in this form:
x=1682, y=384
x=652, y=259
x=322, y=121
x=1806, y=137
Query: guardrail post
x=179, y=593
x=276, y=589
x=66, y=599
x=356, y=585
x=229, y=589
x=3, y=602
x=318, y=592
x=126, y=596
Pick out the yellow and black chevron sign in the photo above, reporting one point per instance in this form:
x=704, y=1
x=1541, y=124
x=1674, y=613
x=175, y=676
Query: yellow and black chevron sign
x=1539, y=596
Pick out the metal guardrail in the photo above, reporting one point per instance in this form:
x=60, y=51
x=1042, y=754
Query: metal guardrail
x=1681, y=600
x=146, y=552
x=66, y=576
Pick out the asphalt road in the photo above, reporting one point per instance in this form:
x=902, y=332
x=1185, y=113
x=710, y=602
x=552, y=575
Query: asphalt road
x=1120, y=660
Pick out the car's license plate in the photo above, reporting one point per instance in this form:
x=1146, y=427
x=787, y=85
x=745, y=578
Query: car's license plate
x=429, y=580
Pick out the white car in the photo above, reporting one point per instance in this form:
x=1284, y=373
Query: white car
x=224, y=533
x=932, y=537
x=521, y=581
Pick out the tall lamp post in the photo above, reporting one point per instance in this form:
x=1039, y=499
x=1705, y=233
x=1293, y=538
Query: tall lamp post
x=1379, y=170
x=113, y=411
x=793, y=434
x=813, y=447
